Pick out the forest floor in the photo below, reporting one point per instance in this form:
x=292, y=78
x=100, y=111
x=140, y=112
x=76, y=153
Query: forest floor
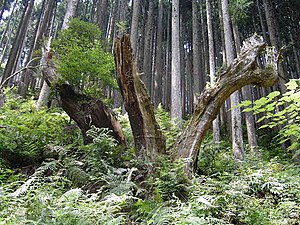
x=47, y=176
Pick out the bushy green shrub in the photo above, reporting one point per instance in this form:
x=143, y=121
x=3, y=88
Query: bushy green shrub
x=81, y=60
x=26, y=134
x=169, y=129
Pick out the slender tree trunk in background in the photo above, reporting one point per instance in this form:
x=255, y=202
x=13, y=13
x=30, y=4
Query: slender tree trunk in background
x=212, y=66
x=205, y=63
x=275, y=40
x=197, y=76
x=112, y=25
x=10, y=36
x=182, y=63
x=71, y=9
x=159, y=64
x=70, y=12
x=147, y=63
x=7, y=29
x=262, y=24
x=243, y=71
x=148, y=138
x=167, y=78
x=225, y=117
x=176, y=100
x=14, y=53
x=101, y=15
x=246, y=93
x=41, y=29
x=296, y=57
x=236, y=117
x=134, y=26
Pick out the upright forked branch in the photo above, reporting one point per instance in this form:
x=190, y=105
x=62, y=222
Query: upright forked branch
x=148, y=138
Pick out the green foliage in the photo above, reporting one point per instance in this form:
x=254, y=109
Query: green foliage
x=169, y=180
x=25, y=134
x=214, y=158
x=81, y=60
x=169, y=129
x=281, y=111
x=239, y=9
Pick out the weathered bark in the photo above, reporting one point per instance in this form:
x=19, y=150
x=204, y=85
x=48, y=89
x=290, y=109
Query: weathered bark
x=148, y=138
x=243, y=71
x=87, y=111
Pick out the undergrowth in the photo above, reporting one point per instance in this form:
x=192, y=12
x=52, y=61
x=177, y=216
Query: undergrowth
x=102, y=183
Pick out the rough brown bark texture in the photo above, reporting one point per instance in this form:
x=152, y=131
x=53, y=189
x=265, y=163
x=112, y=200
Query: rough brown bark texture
x=148, y=138
x=243, y=71
x=87, y=111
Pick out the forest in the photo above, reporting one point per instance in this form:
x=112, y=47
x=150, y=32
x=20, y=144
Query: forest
x=151, y=112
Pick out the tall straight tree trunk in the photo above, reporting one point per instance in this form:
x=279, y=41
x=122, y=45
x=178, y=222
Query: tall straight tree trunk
x=70, y=12
x=246, y=93
x=236, y=117
x=204, y=48
x=262, y=24
x=197, y=76
x=45, y=91
x=167, y=78
x=212, y=66
x=274, y=38
x=176, y=100
x=159, y=64
x=135, y=26
x=148, y=138
x=101, y=15
x=147, y=63
x=42, y=26
x=14, y=53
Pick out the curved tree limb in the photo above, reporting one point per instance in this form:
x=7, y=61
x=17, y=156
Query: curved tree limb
x=243, y=71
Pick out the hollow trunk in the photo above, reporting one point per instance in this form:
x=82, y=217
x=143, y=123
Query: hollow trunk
x=148, y=138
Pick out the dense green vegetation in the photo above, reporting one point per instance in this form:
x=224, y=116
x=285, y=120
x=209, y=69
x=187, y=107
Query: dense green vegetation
x=102, y=183
x=81, y=59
